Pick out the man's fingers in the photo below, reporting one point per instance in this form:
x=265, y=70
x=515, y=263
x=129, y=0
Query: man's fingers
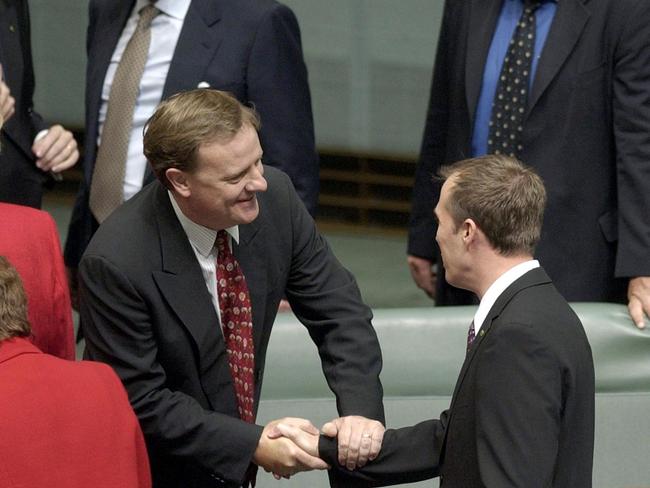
x=344, y=443
x=354, y=448
x=68, y=162
x=56, y=146
x=365, y=445
x=375, y=445
x=274, y=432
x=638, y=295
x=330, y=429
x=636, y=312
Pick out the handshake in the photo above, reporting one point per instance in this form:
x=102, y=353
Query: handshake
x=290, y=445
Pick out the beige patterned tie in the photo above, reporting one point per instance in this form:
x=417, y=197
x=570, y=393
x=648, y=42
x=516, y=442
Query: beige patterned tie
x=106, y=188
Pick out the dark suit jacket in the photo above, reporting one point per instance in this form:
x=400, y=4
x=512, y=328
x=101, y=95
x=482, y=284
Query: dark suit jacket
x=66, y=423
x=585, y=132
x=21, y=181
x=251, y=48
x=522, y=412
x=147, y=312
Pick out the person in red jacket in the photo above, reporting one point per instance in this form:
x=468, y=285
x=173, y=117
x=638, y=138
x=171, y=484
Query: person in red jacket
x=64, y=424
x=30, y=240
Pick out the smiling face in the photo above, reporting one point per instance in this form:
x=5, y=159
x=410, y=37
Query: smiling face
x=450, y=238
x=221, y=191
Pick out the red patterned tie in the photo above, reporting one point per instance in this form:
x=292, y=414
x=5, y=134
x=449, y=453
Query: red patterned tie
x=237, y=324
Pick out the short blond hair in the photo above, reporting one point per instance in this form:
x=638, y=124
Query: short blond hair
x=180, y=124
x=13, y=303
x=505, y=198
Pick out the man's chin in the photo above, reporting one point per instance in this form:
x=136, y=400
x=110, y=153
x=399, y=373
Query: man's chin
x=248, y=211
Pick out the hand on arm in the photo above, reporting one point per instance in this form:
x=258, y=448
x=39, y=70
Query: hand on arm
x=423, y=274
x=359, y=439
x=280, y=455
x=638, y=295
x=56, y=150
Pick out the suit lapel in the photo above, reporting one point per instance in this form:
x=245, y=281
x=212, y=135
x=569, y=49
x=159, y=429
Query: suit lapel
x=569, y=22
x=199, y=40
x=182, y=285
x=483, y=19
x=533, y=277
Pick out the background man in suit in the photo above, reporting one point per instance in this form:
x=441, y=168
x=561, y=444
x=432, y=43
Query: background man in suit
x=63, y=423
x=250, y=48
x=522, y=412
x=27, y=158
x=215, y=244
x=584, y=127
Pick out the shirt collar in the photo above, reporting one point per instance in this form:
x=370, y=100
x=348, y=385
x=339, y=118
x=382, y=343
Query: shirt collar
x=172, y=8
x=498, y=287
x=202, y=238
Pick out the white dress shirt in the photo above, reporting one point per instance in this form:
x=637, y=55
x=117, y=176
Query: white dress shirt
x=498, y=287
x=202, y=240
x=165, y=31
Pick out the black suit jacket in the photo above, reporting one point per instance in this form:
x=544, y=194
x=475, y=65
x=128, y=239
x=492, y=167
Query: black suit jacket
x=585, y=132
x=147, y=312
x=522, y=411
x=251, y=48
x=21, y=181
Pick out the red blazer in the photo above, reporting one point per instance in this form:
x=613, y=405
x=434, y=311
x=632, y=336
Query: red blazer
x=30, y=241
x=66, y=424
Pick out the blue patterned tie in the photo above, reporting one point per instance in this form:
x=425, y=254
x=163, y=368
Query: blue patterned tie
x=509, y=107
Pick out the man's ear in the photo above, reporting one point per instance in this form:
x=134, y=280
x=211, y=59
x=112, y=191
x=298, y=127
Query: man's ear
x=469, y=231
x=178, y=181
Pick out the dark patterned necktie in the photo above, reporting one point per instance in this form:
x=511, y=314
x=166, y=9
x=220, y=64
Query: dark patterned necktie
x=471, y=335
x=509, y=107
x=236, y=321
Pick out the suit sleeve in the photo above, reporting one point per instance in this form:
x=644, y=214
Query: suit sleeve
x=631, y=112
x=118, y=331
x=38, y=123
x=326, y=299
x=407, y=455
x=278, y=88
x=519, y=390
x=422, y=225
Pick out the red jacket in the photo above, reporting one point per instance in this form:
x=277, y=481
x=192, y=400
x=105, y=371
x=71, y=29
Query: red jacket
x=66, y=424
x=30, y=241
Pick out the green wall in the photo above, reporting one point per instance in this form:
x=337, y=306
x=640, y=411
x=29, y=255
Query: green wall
x=369, y=64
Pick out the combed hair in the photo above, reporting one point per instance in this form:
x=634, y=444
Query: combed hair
x=13, y=303
x=505, y=198
x=180, y=124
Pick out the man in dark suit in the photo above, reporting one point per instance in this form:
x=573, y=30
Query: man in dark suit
x=522, y=411
x=30, y=152
x=250, y=48
x=584, y=129
x=152, y=298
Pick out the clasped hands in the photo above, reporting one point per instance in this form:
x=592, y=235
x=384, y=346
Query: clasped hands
x=55, y=149
x=290, y=445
